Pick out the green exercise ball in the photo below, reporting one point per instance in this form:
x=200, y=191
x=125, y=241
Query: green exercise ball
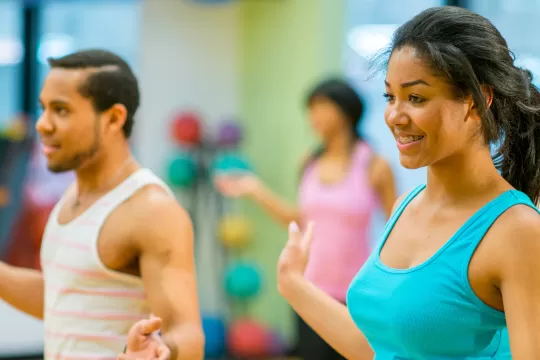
x=182, y=170
x=242, y=281
x=230, y=162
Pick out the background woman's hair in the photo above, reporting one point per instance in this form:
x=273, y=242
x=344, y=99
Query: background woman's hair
x=343, y=95
x=468, y=52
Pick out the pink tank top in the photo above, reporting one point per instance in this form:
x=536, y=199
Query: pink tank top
x=342, y=213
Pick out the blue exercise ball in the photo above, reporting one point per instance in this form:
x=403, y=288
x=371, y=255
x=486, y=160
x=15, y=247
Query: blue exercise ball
x=242, y=281
x=215, y=343
x=230, y=162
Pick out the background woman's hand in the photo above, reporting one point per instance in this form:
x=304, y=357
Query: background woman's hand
x=237, y=185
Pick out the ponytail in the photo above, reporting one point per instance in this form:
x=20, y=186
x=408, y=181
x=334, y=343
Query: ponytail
x=518, y=157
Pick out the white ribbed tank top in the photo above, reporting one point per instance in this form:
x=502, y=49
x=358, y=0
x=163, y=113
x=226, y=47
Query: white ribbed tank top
x=89, y=308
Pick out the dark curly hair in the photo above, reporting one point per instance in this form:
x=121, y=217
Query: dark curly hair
x=468, y=52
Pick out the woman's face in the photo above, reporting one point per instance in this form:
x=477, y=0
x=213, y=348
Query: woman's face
x=427, y=121
x=326, y=118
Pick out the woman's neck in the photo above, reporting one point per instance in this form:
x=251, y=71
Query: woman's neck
x=339, y=146
x=463, y=176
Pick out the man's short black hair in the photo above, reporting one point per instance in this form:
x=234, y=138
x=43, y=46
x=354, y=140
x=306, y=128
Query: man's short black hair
x=112, y=83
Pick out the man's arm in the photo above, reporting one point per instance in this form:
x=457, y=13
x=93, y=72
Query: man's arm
x=165, y=241
x=22, y=289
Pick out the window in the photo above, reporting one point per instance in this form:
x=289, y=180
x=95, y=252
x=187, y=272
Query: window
x=369, y=27
x=11, y=55
x=71, y=26
x=517, y=22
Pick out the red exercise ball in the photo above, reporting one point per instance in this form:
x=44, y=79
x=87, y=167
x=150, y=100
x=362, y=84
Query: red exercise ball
x=247, y=339
x=186, y=129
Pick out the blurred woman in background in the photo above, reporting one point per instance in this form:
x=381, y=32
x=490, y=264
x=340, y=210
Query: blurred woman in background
x=343, y=183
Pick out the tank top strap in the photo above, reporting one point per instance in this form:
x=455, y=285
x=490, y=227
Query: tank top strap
x=399, y=210
x=405, y=202
x=479, y=224
x=104, y=206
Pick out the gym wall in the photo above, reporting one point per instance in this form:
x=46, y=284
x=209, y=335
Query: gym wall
x=287, y=47
x=189, y=60
x=255, y=60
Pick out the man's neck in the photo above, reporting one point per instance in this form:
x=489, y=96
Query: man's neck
x=105, y=171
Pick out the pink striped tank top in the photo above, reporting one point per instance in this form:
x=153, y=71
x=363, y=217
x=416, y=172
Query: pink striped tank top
x=342, y=213
x=89, y=309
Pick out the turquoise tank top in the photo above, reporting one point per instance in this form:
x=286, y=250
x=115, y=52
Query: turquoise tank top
x=430, y=312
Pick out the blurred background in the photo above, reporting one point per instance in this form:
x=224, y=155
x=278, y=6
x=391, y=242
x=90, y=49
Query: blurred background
x=234, y=73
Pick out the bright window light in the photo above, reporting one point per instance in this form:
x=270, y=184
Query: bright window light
x=531, y=63
x=11, y=52
x=54, y=45
x=367, y=40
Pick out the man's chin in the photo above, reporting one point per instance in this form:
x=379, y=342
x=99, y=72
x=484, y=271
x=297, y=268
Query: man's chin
x=57, y=168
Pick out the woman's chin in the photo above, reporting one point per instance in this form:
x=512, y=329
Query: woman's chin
x=411, y=162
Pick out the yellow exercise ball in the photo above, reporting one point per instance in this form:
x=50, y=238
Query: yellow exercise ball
x=234, y=231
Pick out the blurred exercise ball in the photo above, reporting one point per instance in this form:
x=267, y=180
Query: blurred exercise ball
x=229, y=134
x=186, y=129
x=215, y=337
x=247, y=339
x=230, y=162
x=182, y=170
x=276, y=344
x=15, y=131
x=234, y=231
x=212, y=2
x=242, y=281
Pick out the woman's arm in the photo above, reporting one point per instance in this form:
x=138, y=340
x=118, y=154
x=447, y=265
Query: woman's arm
x=250, y=186
x=517, y=267
x=277, y=208
x=325, y=315
x=382, y=180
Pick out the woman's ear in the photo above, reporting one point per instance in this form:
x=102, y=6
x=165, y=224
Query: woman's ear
x=487, y=91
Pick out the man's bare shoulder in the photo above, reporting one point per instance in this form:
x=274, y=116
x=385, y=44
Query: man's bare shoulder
x=153, y=202
x=151, y=213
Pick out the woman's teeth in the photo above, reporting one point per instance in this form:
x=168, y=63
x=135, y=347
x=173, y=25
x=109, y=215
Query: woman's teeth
x=409, y=139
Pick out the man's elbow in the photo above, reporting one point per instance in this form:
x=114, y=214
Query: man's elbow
x=192, y=348
x=198, y=345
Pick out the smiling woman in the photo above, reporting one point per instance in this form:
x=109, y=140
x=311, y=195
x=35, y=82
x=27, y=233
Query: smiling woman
x=448, y=280
x=420, y=112
x=406, y=139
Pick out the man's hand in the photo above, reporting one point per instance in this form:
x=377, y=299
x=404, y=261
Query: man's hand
x=144, y=343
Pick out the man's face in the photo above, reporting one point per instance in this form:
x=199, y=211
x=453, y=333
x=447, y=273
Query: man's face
x=69, y=127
